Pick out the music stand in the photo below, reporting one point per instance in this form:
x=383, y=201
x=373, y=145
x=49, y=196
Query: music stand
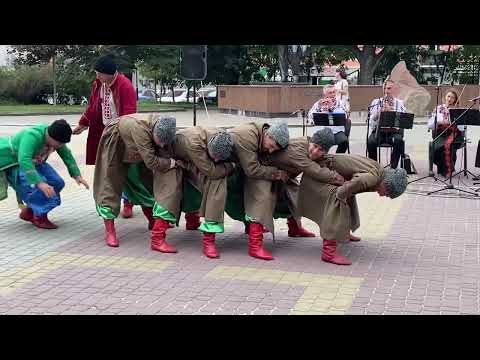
x=471, y=117
x=329, y=119
x=393, y=120
x=459, y=117
x=431, y=147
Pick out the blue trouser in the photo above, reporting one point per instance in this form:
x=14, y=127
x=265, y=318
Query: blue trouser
x=34, y=197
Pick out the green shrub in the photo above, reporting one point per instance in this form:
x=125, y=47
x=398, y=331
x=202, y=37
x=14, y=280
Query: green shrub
x=25, y=84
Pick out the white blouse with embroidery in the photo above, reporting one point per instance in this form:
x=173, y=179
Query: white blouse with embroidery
x=109, y=112
x=443, y=115
x=344, y=99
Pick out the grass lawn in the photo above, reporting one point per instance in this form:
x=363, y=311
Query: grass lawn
x=78, y=109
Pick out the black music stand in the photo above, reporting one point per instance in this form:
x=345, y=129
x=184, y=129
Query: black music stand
x=329, y=119
x=471, y=117
x=393, y=120
x=459, y=118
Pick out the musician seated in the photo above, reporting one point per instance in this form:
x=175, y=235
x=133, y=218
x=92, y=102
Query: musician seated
x=445, y=148
x=329, y=104
x=390, y=136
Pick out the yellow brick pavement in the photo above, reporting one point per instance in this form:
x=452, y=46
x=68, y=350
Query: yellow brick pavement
x=11, y=280
x=324, y=294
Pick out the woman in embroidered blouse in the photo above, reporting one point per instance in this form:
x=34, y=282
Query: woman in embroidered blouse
x=445, y=148
x=341, y=85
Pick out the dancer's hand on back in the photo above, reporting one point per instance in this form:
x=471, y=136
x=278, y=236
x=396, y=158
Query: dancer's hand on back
x=281, y=175
x=180, y=164
x=48, y=190
x=338, y=179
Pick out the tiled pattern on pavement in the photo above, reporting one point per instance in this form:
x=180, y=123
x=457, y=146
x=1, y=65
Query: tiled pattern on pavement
x=324, y=294
x=418, y=255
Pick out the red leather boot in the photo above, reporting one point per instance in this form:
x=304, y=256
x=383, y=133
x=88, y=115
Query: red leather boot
x=265, y=230
x=193, y=221
x=330, y=253
x=209, y=248
x=354, y=238
x=255, y=241
x=158, y=242
x=127, y=209
x=295, y=230
x=110, y=234
x=148, y=212
x=26, y=214
x=43, y=222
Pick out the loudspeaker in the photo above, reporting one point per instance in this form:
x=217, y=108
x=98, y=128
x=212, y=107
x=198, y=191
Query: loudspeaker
x=194, y=62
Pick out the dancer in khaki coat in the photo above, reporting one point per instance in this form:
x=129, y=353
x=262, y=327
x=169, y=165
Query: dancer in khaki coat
x=324, y=196
x=205, y=152
x=263, y=184
x=142, y=139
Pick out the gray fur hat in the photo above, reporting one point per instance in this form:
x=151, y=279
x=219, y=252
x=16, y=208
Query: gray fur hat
x=324, y=138
x=395, y=181
x=221, y=145
x=279, y=133
x=165, y=129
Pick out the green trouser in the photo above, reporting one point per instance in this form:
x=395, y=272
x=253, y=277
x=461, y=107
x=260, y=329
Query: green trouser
x=235, y=206
x=191, y=202
x=135, y=190
x=9, y=176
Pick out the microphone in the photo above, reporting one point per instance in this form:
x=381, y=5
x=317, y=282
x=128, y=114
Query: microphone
x=475, y=99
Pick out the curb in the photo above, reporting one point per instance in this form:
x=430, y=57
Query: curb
x=294, y=126
x=80, y=113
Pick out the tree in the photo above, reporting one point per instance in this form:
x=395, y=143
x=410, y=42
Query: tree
x=393, y=55
x=228, y=64
x=261, y=59
x=39, y=54
x=160, y=62
x=467, y=65
x=369, y=57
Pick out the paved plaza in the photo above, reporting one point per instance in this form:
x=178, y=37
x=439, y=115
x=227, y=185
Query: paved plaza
x=418, y=254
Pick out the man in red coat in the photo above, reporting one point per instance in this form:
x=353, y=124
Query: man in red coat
x=112, y=96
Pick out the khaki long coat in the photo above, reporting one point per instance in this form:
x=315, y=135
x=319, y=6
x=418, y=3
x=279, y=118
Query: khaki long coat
x=209, y=177
x=127, y=140
x=261, y=192
x=317, y=198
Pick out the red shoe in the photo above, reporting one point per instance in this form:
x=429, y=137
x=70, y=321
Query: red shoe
x=355, y=238
x=193, y=221
x=127, y=209
x=265, y=230
x=330, y=255
x=295, y=230
x=255, y=240
x=26, y=214
x=43, y=222
x=209, y=248
x=148, y=212
x=110, y=234
x=158, y=242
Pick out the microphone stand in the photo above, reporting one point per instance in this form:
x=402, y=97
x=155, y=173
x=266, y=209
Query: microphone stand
x=303, y=121
x=368, y=125
x=450, y=186
x=301, y=111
